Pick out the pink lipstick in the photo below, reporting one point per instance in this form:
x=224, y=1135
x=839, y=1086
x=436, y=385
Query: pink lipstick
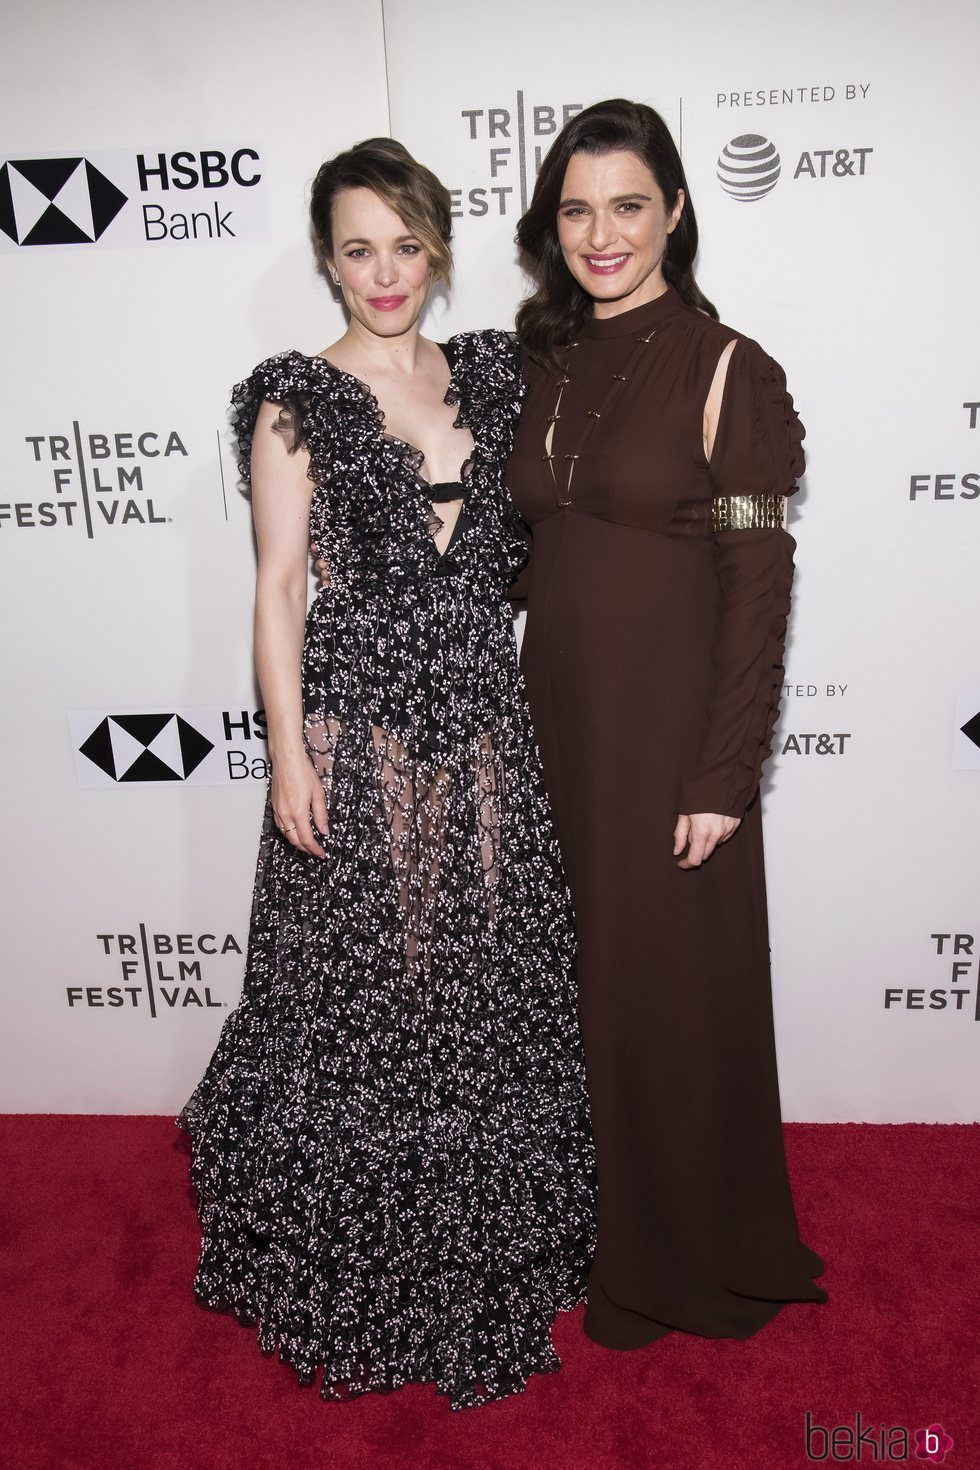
x=387, y=303
x=605, y=265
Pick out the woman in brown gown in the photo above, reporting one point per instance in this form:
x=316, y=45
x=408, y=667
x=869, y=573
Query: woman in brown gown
x=653, y=457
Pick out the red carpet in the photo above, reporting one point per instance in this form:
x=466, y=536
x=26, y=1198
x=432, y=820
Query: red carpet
x=109, y=1362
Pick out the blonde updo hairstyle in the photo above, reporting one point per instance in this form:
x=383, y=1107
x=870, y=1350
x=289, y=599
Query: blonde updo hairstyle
x=412, y=191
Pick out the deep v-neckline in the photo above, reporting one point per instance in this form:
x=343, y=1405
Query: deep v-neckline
x=415, y=457
x=451, y=398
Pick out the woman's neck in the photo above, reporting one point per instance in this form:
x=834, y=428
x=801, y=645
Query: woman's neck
x=652, y=288
x=389, y=356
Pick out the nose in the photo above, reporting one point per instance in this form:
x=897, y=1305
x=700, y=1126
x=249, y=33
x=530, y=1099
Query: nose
x=386, y=270
x=603, y=232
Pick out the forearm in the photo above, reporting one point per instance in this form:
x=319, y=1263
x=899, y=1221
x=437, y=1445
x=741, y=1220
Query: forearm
x=755, y=578
x=280, y=617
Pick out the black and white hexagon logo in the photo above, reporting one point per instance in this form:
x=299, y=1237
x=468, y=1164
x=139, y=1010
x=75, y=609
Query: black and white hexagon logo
x=972, y=729
x=56, y=201
x=146, y=747
x=748, y=167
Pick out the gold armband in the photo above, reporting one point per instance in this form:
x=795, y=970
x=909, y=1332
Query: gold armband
x=748, y=513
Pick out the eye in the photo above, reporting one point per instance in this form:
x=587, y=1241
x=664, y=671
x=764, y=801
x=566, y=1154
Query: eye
x=358, y=252
x=573, y=211
x=629, y=206
x=410, y=249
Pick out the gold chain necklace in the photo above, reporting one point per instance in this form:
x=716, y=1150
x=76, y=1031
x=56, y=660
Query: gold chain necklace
x=591, y=418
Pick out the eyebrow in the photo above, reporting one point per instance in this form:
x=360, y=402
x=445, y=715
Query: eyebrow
x=616, y=199
x=360, y=240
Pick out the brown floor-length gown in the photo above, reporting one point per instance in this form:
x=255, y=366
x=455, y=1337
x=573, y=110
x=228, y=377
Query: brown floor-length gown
x=653, y=660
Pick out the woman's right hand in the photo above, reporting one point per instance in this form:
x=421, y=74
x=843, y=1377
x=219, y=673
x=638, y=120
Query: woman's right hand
x=296, y=794
x=701, y=833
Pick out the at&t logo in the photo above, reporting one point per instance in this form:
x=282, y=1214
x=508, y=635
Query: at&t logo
x=749, y=167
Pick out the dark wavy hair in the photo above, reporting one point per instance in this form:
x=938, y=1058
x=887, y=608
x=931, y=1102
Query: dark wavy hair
x=553, y=315
x=386, y=167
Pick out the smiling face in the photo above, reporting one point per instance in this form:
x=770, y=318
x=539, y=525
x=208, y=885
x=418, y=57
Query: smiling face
x=613, y=223
x=384, y=271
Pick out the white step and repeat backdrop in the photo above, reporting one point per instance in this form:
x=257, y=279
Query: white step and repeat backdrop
x=153, y=246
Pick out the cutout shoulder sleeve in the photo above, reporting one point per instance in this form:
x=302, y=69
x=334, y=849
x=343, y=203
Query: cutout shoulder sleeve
x=758, y=448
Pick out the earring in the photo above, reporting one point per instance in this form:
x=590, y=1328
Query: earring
x=336, y=277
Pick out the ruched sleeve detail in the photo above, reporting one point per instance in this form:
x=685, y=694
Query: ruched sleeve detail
x=758, y=447
x=757, y=451
x=286, y=379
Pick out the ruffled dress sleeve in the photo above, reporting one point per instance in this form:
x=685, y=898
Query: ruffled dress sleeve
x=757, y=453
x=488, y=366
x=519, y=589
x=286, y=379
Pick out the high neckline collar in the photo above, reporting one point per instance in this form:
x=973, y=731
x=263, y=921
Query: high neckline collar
x=645, y=318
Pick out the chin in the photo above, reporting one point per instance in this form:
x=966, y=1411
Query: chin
x=391, y=323
x=607, y=289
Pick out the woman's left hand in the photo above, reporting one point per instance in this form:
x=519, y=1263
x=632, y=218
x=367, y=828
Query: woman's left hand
x=320, y=566
x=700, y=833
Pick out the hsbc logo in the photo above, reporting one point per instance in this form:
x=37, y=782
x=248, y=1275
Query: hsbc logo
x=972, y=729
x=198, y=746
x=146, y=747
x=121, y=198
x=966, y=739
x=56, y=201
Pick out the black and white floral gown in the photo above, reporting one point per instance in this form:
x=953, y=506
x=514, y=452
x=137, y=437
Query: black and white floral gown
x=390, y=1143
